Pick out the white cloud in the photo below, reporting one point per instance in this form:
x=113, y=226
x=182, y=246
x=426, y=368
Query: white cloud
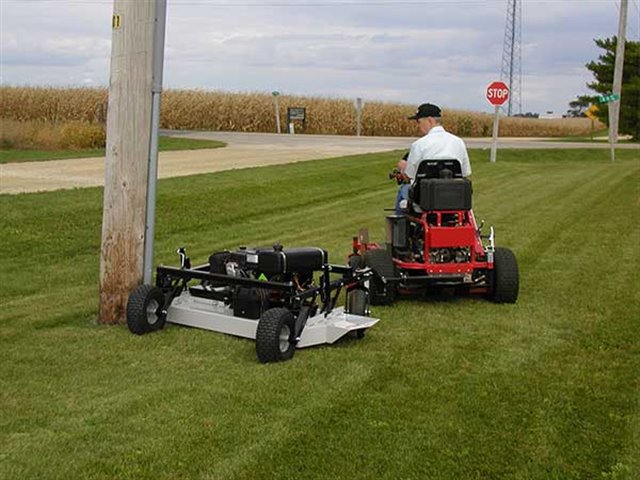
x=444, y=52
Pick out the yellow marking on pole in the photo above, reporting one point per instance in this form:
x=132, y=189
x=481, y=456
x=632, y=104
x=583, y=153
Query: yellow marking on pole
x=116, y=21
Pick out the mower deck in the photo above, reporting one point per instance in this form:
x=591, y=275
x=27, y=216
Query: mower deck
x=267, y=294
x=213, y=315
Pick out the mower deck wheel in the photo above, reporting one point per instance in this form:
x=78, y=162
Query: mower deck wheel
x=358, y=304
x=381, y=291
x=274, y=336
x=505, y=276
x=145, y=310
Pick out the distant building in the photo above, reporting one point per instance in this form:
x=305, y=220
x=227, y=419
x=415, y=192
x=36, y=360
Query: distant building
x=550, y=115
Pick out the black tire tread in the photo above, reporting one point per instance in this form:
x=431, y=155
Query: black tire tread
x=137, y=309
x=357, y=302
x=506, y=281
x=268, y=335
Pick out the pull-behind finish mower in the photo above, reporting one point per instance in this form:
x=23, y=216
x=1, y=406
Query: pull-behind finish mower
x=266, y=294
x=437, y=244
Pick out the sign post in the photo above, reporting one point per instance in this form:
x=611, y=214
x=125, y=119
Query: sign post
x=618, y=68
x=359, y=105
x=610, y=98
x=591, y=113
x=497, y=93
x=156, y=92
x=276, y=94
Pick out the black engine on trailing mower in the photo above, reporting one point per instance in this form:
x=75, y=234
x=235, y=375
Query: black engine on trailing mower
x=273, y=264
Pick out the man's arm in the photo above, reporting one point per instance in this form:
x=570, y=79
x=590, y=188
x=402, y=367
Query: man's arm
x=411, y=163
x=464, y=159
x=402, y=163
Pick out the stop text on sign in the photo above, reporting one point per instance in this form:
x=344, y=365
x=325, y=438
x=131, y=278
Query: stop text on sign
x=497, y=93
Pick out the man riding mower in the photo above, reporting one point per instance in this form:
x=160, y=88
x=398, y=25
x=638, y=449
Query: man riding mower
x=435, y=243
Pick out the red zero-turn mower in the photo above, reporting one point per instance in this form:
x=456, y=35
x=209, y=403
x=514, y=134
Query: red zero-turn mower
x=266, y=294
x=436, y=244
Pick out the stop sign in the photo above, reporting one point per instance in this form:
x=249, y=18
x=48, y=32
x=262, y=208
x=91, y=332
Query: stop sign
x=497, y=93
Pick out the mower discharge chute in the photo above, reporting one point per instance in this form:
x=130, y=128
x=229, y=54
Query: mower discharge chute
x=266, y=294
x=437, y=244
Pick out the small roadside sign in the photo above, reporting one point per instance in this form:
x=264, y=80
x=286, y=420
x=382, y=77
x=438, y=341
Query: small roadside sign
x=297, y=113
x=497, y=93
x=609, y=97
x=592, y=112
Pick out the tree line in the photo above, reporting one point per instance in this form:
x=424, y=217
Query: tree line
x=602, y=70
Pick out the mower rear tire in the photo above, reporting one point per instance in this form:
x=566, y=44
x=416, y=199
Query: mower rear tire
x=274, y=336
x=145, y=310
x=506, y=280
x=381, y=291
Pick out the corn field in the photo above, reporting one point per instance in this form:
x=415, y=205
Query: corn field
x=254, y=112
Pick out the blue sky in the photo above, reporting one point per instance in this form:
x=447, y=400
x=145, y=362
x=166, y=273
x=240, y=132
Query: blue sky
x=442, y=51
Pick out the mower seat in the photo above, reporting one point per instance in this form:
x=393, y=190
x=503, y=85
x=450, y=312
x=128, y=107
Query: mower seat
x=292, y=260
x=439, y=168
x=439, y=185
x=442, y=194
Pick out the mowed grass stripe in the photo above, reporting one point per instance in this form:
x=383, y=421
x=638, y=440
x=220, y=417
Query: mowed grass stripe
x=442, y=388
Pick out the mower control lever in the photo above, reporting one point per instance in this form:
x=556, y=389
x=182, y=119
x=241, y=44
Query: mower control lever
x=397, y=175
x=184, y=260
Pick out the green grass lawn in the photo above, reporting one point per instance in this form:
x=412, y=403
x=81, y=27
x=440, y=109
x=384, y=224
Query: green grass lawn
x=548, y=388
x=165, y=144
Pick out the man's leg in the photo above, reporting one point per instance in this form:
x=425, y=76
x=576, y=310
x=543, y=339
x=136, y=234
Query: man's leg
x=402, y=199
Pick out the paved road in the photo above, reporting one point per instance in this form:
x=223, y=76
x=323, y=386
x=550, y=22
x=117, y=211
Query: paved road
x=369, y=144
x=243, y=150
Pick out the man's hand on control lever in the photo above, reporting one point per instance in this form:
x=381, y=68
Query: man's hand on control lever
x=398, y=172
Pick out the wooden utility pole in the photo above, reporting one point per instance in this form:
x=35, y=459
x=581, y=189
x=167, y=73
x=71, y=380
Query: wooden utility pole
x=614, y=107
x=127, y=155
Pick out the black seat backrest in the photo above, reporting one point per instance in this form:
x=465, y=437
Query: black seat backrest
x=439, y=168
x=439, y=185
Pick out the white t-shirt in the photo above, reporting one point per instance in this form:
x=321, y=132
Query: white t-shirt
x=437, y=144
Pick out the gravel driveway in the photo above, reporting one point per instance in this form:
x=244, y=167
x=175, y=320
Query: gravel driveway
x=243, y=150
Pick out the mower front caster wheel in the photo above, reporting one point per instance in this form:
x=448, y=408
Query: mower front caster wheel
x=145, y=310
x=358, y=304
x=275, y=340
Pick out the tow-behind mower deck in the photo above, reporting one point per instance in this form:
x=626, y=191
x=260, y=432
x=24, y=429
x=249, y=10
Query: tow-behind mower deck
x=266, y=294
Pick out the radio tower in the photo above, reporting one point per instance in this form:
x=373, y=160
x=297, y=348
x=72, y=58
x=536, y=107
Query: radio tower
x=512, y=57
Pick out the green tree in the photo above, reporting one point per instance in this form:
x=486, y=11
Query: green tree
x=579, y=107
x=602, y=70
